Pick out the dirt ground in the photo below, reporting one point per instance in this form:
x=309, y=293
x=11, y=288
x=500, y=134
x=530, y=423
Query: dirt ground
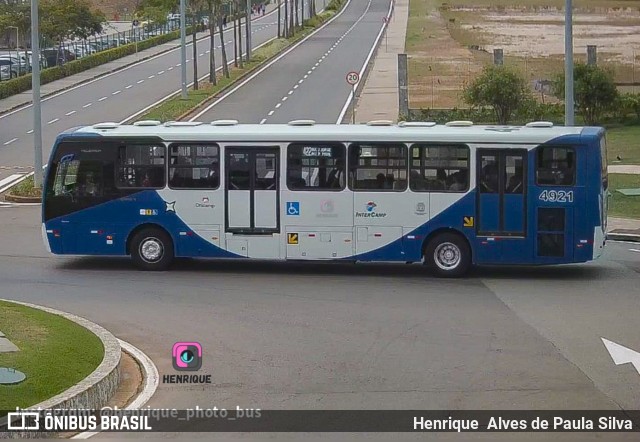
x=449, y=43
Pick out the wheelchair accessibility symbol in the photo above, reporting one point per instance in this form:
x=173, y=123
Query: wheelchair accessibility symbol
x=293, y=208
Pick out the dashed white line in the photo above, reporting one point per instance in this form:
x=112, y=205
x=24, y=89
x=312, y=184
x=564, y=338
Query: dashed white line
x=87, y=105
x=634, y=250
x=178, y=65
x=170, y=68
x=290, y=92
x=115, y=93
x=314, y=68
x=284, y=98
x=30, y=131
x=161, y=72
x=263, y=120
x=309, y=72
x=70, y=113
x=53, y=121
x=129, y=87
x=300, y=81
x=201, y=55
x=140, y=81
x=296, y=86
x=151, y=76
x=102, y=99
x=271, y=113
x=10, y=141
x=278, y=105
x=306, y=76
x=316, y=65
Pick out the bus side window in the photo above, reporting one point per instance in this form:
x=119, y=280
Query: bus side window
x=555, y=166
x=439, y=168
x=141, y=166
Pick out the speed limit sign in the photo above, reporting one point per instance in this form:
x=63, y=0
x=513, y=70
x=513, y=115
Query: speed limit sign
x=353, y=78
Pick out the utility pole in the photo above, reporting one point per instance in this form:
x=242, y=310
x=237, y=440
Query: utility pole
x=35, y=87
x=248, y=30
x=569, y=118
x=183, y=47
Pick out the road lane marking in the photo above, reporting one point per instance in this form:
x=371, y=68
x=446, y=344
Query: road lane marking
x=129, y=87
x=634, y=250
x=268, y=65
x=161, y=72
x=170, y=68
x=305, y=77
x=151, y=76
x=290, y=92
x=10, y=141
x=102, y=99
x=87, y=105
x=271, y=113
x=263, y=120
x=115, y=93
x=284, y=98
x=140, y=81
x=124, y=68
x=53, y=121
x=278, y=105
x=296, y=86
x=30, y=131
x=366, y=63
x=70, y=113
x=10, y=179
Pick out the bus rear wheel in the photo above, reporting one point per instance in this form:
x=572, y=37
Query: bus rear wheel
x=152, y=249
x=448, y=255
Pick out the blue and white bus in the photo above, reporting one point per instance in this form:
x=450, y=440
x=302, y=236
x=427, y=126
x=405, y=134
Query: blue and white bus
x=450, y=196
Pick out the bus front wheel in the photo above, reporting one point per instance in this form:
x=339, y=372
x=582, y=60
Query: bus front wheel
x=448, y=255
x=152, y=249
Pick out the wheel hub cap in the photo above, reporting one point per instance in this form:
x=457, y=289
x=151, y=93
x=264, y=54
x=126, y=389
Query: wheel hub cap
x=447, y=256
x=151, y=250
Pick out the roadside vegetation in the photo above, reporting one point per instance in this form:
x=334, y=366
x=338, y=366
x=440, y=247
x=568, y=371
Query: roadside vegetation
x=177, y=107
x=55, y=354
x=26, y=188
x=620, y=205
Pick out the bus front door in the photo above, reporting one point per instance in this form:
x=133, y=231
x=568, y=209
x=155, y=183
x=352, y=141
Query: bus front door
x=502, y=205
x=252, y=197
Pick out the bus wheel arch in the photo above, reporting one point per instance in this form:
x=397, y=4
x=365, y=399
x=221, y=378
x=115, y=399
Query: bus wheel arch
x=151, y=247
x=447, y=252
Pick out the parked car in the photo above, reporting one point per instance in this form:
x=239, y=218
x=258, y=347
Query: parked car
x=19, y=62
x=54, y=55
x=8, y=69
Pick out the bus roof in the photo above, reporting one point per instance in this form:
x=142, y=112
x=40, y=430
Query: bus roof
x=231, y=131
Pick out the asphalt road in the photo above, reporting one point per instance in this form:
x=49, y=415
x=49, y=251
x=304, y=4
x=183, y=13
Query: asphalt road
x=310, y=81
x=112, y=98
x=366, y=336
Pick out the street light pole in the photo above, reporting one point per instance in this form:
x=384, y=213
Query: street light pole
x=183, y=47
x=569, y=118
x=35, y=87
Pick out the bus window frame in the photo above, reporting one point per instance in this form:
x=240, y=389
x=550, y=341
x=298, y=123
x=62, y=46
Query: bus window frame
x=332, y=144
x=193, y=144
x=421, y=168
x=351, y=168
x=573, y=169
x=142, y=143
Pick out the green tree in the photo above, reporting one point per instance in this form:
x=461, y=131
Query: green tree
x=500, y=88
x=157, y=10
x=594, y=91
x=61, y=19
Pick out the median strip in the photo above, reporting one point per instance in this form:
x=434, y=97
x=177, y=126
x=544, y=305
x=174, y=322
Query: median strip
x=177, y=108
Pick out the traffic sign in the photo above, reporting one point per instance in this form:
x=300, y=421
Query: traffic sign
x=136, y=23
x=353, y=78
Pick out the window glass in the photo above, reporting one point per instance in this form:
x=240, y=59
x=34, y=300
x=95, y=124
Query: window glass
x=194, y=166
x=440, y=168
x=141, y=166
x=316, y=166
x=238, y=171
x=603, y=163
x=555, y=166
x=266, y=177
x=376, y=166
x=488, y=177
x=514, y=174
x=78, y=179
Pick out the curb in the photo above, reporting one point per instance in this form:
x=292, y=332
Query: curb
x=242, y=77
x=95, y=390
x=22, y=199
x=630, y=237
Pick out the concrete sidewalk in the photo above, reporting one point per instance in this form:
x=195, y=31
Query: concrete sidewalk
x=25, y=98
x=379, y=97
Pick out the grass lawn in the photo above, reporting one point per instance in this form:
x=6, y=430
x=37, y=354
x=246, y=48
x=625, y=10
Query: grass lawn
x=625, y=142
x=55, y=354
x=26, y=188
x=620, y=205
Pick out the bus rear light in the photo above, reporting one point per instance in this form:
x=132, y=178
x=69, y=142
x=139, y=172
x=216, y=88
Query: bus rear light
x=189, y=233
x=56, y=233
x=109, y=237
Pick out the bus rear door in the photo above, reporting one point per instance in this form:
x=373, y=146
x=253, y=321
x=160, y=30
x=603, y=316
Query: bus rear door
x=502, y=206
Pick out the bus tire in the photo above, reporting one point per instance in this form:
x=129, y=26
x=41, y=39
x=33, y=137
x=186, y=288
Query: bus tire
x=448, y=255
x=152, y=249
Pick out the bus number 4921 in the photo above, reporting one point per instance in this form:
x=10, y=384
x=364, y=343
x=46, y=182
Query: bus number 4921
x=556, y=196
